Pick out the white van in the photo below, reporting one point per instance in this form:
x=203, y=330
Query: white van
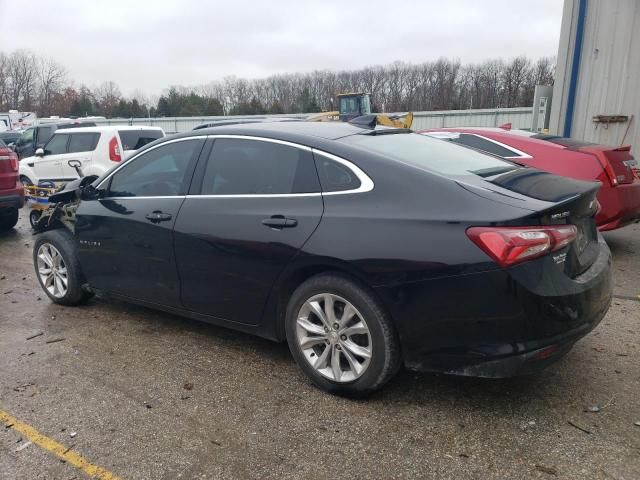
x=97, y=148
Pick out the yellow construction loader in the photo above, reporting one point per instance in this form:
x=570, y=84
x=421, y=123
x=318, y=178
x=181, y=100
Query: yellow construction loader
x=354, y=105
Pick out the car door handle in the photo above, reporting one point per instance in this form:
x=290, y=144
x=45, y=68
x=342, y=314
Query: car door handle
x=157, y=216
x=279, y=221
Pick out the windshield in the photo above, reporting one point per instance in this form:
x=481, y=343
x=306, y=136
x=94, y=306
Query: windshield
x=349, y=105
x=432, y=154
x=26, y=137
x=135, y=139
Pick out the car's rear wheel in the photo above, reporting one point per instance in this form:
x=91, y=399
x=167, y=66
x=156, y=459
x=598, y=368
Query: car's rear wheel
x=8, y=218
x=58, y=269
x=340, y=336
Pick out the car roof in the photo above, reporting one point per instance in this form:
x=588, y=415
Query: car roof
x=243, y=121
x=106, y=128
x=324, y=130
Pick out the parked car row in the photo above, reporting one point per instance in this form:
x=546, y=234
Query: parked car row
x=363, y=248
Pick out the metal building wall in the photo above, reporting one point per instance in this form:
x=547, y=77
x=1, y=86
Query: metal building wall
x=608, y=79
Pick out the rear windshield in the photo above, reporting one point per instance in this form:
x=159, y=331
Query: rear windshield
x=564, y=141
x=2, y=145
x=432, y=154
x=135, y=139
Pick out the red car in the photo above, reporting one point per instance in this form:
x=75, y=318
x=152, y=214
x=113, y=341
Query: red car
x=614, y=167
x=11, y=190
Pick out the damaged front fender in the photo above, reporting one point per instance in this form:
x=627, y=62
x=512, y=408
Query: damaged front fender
x=63, y=205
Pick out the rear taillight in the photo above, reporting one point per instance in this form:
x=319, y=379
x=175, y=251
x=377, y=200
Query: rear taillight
x=608, y=169
x=617, y=163
x=114, y=150
x=511, y=245
x=6, y=154
x=13, y=160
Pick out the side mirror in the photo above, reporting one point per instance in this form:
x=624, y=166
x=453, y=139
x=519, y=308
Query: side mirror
x=88, y=191
x=39, y=152
x=12, y=146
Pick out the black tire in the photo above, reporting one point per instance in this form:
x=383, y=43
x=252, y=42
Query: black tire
x=25, y=181
x=385, y=347
x=34, y=216
x=62, y=240
x=8, y=219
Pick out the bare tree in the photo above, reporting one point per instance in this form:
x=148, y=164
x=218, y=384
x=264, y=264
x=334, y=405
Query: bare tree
x=52, y=78
x=107, y=95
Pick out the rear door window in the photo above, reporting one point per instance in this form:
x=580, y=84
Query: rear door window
x=431, y=154
x=255, y=167
x=57, y=145
x=83, y=142
x=136, y=139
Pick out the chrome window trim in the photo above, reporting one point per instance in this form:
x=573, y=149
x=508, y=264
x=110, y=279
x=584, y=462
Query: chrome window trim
x=143, y=197
x=262, y=139
x=366, y=184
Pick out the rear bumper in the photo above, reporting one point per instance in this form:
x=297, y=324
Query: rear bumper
x=499, y=323
x=620, y=206
x=13, y=197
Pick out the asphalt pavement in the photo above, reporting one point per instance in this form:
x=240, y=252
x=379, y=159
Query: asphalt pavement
x=138, y=394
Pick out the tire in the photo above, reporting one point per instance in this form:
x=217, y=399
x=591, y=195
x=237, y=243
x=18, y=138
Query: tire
x=34, y=216
x=60, y=243
x=380, y=340
x=25, y=180
x=8, y=219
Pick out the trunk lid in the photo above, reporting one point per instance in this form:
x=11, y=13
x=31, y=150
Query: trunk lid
x=617, y=162
x=562, y=201
x=619, y=158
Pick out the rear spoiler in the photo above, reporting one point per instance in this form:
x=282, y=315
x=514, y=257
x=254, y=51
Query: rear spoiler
x=622, y=148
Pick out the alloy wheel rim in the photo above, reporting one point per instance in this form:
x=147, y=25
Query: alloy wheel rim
x=52, y=270
x=334, y=337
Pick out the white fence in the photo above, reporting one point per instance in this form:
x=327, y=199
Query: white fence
x=518, y=117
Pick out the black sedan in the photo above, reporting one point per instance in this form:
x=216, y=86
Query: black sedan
x=364, y=248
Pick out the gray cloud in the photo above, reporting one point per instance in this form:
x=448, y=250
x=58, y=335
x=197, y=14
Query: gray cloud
x=150, y=45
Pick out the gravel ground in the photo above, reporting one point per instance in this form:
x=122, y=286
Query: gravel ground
x=154, y=396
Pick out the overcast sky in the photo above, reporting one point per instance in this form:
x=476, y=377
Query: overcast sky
x=151, y=44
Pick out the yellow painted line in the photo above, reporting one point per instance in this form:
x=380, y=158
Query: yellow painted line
x=56, y=448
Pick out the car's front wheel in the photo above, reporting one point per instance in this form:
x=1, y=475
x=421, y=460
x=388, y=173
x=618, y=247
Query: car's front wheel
x=340, y=336
x=58, y=269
